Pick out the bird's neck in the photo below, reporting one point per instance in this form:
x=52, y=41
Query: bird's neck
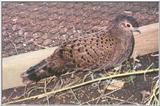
x=119, y=33
x=126, y=38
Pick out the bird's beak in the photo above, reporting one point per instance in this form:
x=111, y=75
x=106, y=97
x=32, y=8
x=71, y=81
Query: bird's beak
x=135, y=29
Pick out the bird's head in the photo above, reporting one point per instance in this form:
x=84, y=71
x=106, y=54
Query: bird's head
x=127, y=23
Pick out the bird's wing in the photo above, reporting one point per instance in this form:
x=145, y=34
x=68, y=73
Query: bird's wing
x=90, y=51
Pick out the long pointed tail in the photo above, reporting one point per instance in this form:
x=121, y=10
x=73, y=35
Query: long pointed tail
x=53, y=65
x=35, y=73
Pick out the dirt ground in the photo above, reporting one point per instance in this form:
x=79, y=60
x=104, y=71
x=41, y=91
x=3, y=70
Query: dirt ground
x=30, y=26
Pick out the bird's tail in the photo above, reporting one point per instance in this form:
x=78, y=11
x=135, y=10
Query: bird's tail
x=35, y=73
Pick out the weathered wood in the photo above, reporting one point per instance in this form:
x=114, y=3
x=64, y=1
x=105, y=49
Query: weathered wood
x=145, y=43
x=13, y=66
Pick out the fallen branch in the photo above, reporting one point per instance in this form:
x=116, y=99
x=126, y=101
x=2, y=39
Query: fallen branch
x=85, y=83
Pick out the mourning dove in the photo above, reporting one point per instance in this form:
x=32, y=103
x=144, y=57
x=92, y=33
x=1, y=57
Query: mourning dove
x=105, y=49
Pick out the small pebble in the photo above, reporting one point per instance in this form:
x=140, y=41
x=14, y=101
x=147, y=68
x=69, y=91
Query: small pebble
x=14, y=19
x=14, y=27
x=24, y=44
x=20, y=32
x=64, y=36
x=4, y=98
x=128, y=12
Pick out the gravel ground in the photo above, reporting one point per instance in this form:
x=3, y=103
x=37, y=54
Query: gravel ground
x=29, y=26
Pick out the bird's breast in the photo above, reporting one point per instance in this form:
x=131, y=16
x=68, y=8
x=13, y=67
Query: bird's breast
x=124, y=49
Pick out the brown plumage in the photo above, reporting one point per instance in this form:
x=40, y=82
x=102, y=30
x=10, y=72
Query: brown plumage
x=103, y=49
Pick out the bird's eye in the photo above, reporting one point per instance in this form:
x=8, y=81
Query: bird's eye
x=128, y=25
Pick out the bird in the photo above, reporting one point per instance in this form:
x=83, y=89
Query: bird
x=105, y=49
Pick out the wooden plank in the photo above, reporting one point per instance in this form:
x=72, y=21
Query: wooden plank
x=13, y=66
x=146, y=42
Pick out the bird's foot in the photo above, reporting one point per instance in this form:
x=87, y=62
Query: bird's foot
x=93, y=75
x=118, y=68
x=136, y=66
